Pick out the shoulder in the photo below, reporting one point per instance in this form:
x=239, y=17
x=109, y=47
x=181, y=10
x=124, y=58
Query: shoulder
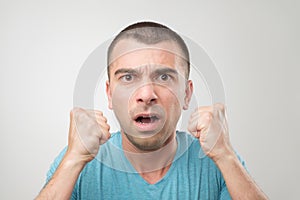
x=112, y=145
x=111, y=155
x=189, y=149
x=187, y=144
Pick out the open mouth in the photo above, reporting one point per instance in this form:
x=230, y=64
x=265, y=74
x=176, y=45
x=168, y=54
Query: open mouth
x=144, y=119
x=145, y=122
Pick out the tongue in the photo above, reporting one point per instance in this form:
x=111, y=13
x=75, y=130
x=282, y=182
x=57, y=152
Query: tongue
x=146, y=120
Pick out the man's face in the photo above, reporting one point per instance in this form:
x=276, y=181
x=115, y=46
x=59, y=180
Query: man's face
x=147, y=90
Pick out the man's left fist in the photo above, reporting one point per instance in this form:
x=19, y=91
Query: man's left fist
x=209, y=125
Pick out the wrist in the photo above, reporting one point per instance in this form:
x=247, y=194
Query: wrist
x=72, y=159
x=226, y=157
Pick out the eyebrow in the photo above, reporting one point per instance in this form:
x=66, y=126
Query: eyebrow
x=164, y=70
x=125, y=71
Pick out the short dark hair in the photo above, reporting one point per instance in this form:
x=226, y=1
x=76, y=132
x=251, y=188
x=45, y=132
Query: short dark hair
x=149, y=33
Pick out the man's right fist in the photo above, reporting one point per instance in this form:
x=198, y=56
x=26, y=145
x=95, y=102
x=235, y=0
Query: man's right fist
x=88, y=130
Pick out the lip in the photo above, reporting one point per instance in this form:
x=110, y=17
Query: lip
x=152, y=125
x=146, y=115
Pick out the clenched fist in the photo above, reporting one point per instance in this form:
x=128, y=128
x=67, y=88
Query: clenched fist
x=88, y=130
x=209, y=125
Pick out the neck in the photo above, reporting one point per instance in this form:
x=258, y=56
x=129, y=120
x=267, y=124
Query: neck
x=151, y=165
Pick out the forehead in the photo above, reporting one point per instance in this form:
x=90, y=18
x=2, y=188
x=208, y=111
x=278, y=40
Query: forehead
x=129, y=53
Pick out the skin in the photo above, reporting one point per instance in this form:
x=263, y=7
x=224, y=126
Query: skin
x=151, y=80
x=144, y=90
x=150, y=83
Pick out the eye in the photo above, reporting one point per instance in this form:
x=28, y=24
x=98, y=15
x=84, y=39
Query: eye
x=164, y=77
x=127, y=78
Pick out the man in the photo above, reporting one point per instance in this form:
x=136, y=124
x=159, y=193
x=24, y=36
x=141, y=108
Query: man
x=147, y=88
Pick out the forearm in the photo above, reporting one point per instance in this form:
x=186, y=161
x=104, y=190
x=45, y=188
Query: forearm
x=62, y=183
x=238, y=181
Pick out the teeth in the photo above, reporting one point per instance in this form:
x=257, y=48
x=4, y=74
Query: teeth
x=147, y=119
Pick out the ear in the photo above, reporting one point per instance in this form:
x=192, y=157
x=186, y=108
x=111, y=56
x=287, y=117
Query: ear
x=109, y=95
x=188, y=94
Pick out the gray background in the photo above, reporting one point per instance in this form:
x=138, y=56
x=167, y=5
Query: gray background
x=254, y=45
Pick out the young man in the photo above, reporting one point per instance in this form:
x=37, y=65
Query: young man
x=147, y=88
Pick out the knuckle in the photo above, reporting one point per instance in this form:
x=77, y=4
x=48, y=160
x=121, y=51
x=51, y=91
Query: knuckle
x=97, y=112
x=104, y=135
x=75, y=111
x=74, y=114
x=104, y=119
x=199, y=109
x=199, y=126
x=207, y=116
x=103, y=127
x=107, y=126
x=220, y=106
x=191, y=127
x=71, y=114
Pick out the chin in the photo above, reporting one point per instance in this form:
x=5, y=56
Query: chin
x=146, y=144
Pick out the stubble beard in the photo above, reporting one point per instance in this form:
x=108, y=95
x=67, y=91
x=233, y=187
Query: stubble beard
x=150, y=145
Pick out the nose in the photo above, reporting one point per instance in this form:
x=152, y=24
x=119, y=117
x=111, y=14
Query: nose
x=146, y=94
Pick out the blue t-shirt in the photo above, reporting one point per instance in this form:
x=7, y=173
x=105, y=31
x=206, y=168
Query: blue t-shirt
x=111, y=176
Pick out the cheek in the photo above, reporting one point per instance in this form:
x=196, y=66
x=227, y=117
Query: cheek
x=172, y=104
x=120, y=102
x=174, y=96
x=121, y=95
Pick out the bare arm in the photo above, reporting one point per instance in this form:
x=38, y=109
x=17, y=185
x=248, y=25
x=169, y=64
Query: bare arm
x=88, y=130
x=209, y=125
x=62, y=183
x=239, y=183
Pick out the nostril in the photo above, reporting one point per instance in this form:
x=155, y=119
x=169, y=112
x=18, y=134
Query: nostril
x=146, y=94
x=147, y=101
